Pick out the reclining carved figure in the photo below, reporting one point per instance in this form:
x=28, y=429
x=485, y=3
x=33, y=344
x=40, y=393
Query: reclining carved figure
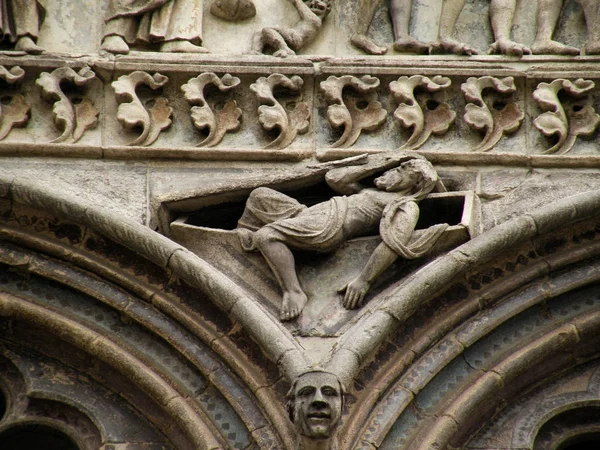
x=274, y=223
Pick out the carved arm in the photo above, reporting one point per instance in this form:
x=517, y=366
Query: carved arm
x=345, y=180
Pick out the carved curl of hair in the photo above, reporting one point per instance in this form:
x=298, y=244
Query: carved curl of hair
x=428, y=176
x=317, y=6
x=291, y=394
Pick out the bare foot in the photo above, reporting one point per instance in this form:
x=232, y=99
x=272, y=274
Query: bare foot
x=26, y=44
x=362, y=42
x=292, y=305
x=553, y=48
x=181, y=46
x=284, y=53
x=509, y=48
x=592, y=48
x=448, y=45
x=115, y=44
x=408, y=44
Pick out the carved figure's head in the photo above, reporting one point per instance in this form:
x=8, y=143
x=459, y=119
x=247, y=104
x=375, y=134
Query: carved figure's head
x=315, y=403
x=416, y=176
x=320, y=7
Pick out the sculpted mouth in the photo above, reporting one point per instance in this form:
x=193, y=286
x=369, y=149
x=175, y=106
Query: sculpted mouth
x=318, y=415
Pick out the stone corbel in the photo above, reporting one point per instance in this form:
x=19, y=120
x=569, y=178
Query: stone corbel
x=427, y=116
x=132, y=112
x=15, y=113
x=204, y=116
x=569, y=118
x=497, y=116
x=71, y=116
x=289, y=116
x=355, y=113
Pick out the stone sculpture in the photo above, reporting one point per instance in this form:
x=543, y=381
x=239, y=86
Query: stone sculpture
x=548, y=14
x=20, y=23
x=274, y=223
x=233, y=10
x=286, y=42
x=400, y=14
x=174, y=24
x=314, y=405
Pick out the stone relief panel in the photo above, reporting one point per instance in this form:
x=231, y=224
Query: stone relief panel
x=313, y=257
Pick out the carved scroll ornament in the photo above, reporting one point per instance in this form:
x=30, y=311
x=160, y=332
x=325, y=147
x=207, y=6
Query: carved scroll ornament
x=426, y=117
x=568, y=118
x=288, y=116
x=72, y=117
x=501, y=118
x=132, y=112
x=205, y=116
x=16, y=113
x=355, y=114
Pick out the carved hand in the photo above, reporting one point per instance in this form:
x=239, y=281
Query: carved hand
x=354, y=293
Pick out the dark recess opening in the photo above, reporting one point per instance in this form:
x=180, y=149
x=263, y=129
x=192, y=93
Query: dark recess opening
x=2, y=404
x=38, y=437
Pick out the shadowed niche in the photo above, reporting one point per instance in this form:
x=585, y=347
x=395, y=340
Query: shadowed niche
x=37, y=437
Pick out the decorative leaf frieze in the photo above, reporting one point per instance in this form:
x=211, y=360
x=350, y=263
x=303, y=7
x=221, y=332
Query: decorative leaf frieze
x=15, y=113
x=425, y=117
x=355, y=113
x=289, y=116
x=132, y=112
x=568, y=118
x=71, y=117
x=503, y=117
x=205, y=116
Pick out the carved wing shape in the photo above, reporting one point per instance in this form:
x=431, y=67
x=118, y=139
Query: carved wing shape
x=218, y=122
x=568, y=120
x=16, y=113
x=132, y=113
x=434, y=118
x=291, y=118
x=503, y=118
x=72, y=119
x=355, y=114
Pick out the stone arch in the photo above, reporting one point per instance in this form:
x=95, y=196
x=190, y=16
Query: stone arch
x=111, y=291
x=453, y=363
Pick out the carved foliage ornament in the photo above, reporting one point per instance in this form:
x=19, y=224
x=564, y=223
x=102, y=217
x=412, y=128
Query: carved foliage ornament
x=72, y=117
x=355, y=113
x=205, y=116
x=288, y=116
x=569, y=118
x=16, y=113
x=501, y=118
x=424, y=117
x=133, y=113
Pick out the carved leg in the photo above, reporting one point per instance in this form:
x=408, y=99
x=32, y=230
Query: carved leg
x=282, y=263
x=548, y=14
x=366, y=11
x=591, y=9
x=451, y=10
x=501, y=17
x=403, y=42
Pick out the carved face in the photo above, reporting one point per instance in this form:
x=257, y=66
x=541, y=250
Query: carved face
x=317, y=404
x=320, y=7
x=399, y=179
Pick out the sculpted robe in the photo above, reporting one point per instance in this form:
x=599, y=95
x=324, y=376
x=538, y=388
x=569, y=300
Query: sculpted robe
x=321, y=227
x=19, y=18
x=155, y=20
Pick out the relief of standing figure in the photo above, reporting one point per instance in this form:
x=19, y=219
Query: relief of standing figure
x=20, y=23
x=284, y=42
x=176, y=25
x=274, y=223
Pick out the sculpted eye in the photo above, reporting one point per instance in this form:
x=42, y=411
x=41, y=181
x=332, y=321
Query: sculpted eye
x=330, y=392
x=305, y=391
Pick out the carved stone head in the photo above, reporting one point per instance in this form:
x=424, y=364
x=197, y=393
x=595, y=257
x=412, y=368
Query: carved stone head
x=320, y=7
x=315, y=404
x=416, y=174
